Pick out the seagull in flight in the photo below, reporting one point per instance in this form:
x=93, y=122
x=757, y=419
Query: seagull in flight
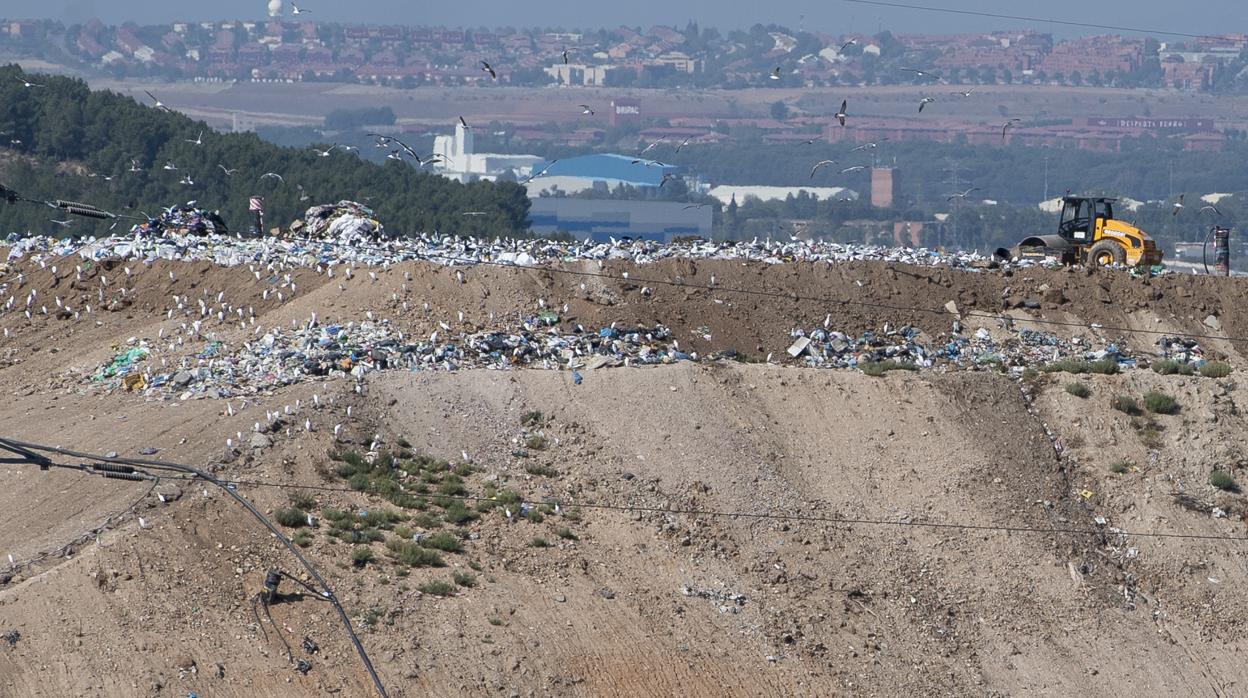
x=296, y=10
x=228, y=172
x=1210, y=207
x=846, y=45
x=816, y=139
x=327, y=152
x=169, y=166
x=303, y=195
x=924, y=102
x=649, y=148
x=963, y=195
x=704, y=203
x=586, y=110
x=684, y=143
x=1178, y=206
x=921, y=73
x=868, y=146
x=486, y=67
x=775, y=74
x=473, y=213
x=199, y=140
x=28, y=83
x=565, y=56
x=187, y=180
x=158, y=104
x=349, y=148
x=821, y=163
x=666, y=176
x=541, y=172
x=275, y=175
x=382, y=141
x=1005, y=127
x=463, y=122
x=840, y=115
x=962, y=94
x=134, y=166
x=63, y=224
x=394, y=155
x=855, y=168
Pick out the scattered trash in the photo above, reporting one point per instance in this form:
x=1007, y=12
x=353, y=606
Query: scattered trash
x=304, y=666
x=12, y=637
x=309, y=645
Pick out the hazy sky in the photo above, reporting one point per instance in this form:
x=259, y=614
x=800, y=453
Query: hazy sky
x=833, y=16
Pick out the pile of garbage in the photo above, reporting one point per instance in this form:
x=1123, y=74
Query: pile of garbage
x=348, y=233
x=346, y=222
x=183, y=220
x=285, y=357
x=1021, y=348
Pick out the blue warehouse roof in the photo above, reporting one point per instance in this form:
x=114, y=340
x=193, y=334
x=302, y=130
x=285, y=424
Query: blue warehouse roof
x=610, y=166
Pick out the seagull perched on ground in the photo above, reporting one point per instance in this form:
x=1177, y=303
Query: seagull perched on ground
x=821, y=163
x=924, y=102
x=844, y=111
x=921, y=73
x=963, y=195
x=775, y=74
x=1007, y=125
x=486, y=67
x=158, y=104
x=274, y=175
x=586, y=110
x=1178, y=206
x=199, y=140
x=28, y=83
x=868, y=146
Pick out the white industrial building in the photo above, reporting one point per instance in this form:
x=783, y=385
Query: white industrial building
x=460, y=162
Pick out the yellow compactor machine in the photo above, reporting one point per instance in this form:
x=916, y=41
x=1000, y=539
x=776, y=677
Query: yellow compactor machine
x=1088, y=234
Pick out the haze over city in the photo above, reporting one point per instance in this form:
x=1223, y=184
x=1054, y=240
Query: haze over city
x=1207, y=16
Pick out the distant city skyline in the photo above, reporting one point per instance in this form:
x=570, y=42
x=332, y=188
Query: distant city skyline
x=831, y=16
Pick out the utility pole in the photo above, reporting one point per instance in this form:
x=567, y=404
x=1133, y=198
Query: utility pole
x=957, y=187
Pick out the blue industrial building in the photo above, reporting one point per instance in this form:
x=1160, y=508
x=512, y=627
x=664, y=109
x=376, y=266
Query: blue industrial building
x=602, y=219
x=599, y=170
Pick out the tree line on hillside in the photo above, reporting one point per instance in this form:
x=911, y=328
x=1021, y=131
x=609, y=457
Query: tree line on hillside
x=60, y=140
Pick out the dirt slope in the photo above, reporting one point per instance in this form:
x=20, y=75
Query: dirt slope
x=854, y=599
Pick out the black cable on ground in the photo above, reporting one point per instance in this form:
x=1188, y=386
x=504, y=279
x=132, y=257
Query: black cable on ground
x=327, y=591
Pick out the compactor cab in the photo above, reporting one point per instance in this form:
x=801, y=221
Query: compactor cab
x=1088, y=233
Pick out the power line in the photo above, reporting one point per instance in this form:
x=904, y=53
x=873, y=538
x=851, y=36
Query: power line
x=799, y=518
x=125, y=468
x=998, y=15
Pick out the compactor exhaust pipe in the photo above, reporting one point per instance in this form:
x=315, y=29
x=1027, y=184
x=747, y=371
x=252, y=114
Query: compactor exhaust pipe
x=1221, y=250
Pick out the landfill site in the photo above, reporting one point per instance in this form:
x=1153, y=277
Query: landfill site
x=532, y=468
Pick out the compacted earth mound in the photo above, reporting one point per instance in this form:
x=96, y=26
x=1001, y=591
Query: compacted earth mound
x=727, y=521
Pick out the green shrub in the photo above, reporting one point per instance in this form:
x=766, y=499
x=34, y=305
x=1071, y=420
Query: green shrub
x=333, y=514
x=1215, y=369
x=290, y=517
x=1125, y=403
x=535, y=516
x=536, y=442
x=1078, y=390
x=1105, y=367
x=426, y=520
x=402, y=443
x=1223, y=481
x=464, y=579
x=1160, y=403
x=457, y=513
x=1120, y=468
x=539, y=542
x=403, y=531
x=566, y=533
x=496, y=621
x=1169, y=367
x=543, y=470
x=437, y=588
x=302, y=538
x=303, y=501
x=875, y=369
x=452, y=486
x=412, y=554
x=1067, y=366
x=444, y=541
x=362, y=555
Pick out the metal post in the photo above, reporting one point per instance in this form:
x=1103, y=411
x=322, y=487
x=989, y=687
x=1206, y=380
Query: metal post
x=1222, y=250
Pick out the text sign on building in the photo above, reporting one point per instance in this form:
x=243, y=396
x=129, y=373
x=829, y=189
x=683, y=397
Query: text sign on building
x=1156, y=124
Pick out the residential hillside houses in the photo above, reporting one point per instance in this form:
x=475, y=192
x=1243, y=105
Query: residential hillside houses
x=289, y=49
